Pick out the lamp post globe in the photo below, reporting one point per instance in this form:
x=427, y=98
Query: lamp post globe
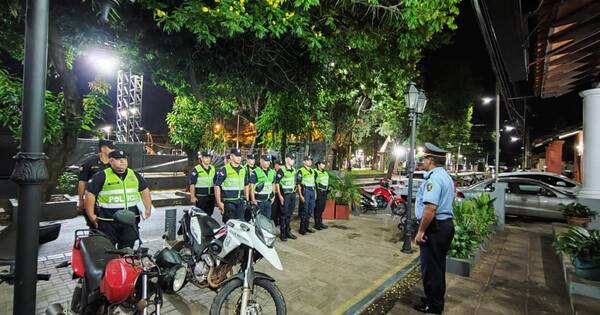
x=411, y=95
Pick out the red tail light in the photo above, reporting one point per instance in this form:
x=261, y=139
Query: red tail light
x=460, y=194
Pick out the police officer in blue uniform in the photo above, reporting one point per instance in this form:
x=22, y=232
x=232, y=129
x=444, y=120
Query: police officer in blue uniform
x=433, y=209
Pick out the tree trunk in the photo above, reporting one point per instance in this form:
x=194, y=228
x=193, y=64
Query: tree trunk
x=192, y=158
x=59, y=153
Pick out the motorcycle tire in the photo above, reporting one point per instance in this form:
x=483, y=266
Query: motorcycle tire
x=364, y=209
x=237, y=284
x=399, y=209
x=76, y=298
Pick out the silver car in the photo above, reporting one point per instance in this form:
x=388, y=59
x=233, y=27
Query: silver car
x=525, y=196
x=555, y=180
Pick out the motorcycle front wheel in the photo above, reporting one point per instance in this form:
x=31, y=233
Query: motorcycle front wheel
x=265, y=299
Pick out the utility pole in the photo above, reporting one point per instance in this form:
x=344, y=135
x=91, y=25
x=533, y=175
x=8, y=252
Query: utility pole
x=497, y=132
x=30, y=169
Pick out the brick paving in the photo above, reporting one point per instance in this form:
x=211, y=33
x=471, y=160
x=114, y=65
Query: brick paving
x=324, y=273
x=518, y=274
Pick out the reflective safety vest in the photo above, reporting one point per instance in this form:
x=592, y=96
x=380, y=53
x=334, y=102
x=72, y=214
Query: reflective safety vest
x=264, y=183
x=308, y=177
x=117, y=194
x=322, y=180
x=205, y=180
x=288, y=181
x=233, y=185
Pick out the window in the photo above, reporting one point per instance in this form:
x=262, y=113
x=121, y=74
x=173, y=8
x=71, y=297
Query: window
x=529, y=189
x=551, y=180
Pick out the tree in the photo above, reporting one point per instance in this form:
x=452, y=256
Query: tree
x=72, y=28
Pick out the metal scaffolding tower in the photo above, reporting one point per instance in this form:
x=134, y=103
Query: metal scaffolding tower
x=129, y=106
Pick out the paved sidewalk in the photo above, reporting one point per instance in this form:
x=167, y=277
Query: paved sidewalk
x=324, y=273
x=519, y=274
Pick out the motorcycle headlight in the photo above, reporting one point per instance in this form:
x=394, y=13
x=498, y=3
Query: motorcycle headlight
x=265, y=230
x=179, y=278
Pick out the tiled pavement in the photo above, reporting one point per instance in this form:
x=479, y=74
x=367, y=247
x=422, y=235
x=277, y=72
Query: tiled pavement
x=518, y=274
x=324, y=273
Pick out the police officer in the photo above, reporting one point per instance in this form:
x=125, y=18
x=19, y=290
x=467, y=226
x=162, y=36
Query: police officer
x=250, y=163
x=231, y=188
x=286, y=191
x=276, y=205
x=321, y=185
x=91, y=167
x=202, y=181
x=117, y=188
x=433, y=208
x=306, y=191
x=262, y=185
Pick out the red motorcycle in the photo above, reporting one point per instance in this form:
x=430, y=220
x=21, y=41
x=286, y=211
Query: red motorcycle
x=127, y=281
x=381, y=198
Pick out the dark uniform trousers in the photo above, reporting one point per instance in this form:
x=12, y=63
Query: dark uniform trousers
x=285, y=212
x=234, y=209
x=275, y=209
x=307, y=207
x=320, y=204
x=265, y=207
x=120, y=234
x=432, y=256
x=206, y=203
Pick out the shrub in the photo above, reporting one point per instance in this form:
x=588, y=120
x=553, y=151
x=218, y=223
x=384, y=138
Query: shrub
x=578, y=210
x=581, y=243
x=66, y=182
x=472, y=218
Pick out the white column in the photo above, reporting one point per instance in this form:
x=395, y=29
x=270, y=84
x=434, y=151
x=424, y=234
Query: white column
x=591, y=144
x=590, y=193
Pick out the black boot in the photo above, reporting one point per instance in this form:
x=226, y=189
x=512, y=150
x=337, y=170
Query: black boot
x=317, y=226
x=307, y=227
x=282, y=234
x=288, y=233
x=321, y=225
x=302, y=230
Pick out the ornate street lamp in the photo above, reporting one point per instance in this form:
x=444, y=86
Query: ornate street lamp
x=416, y=101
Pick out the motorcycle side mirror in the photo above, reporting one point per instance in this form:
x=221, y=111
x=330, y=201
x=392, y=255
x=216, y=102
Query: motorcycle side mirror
x=125, y=217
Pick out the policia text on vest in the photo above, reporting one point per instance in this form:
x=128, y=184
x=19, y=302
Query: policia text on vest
x=117, y=188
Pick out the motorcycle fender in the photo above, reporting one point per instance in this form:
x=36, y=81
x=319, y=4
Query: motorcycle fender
x=240, y=276
x=237, y=235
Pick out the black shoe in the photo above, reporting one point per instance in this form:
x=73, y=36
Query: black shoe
x=424, y=308
x=302, y=231
x=321, y=225
x=288, y=234
x=307, y=229
x=423, y=300
x=283, y=237
x=317, y=227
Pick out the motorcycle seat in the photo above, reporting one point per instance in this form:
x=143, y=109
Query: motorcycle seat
x=93, y=251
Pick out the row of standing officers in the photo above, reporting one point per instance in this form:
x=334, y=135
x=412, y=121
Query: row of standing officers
x=274, y=188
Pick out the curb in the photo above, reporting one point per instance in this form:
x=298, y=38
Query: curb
x=378, y=292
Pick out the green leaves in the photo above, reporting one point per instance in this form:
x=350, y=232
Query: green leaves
x=578, y=210
x=472, y=218
x=579, y=242
x=190, y=123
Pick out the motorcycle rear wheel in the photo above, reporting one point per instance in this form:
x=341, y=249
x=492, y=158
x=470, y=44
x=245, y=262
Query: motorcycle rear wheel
x=228, y=298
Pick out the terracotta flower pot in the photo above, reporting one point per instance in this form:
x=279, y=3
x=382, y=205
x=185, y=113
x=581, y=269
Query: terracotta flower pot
x=329, y=212
x=578, y=221
x=342, y=212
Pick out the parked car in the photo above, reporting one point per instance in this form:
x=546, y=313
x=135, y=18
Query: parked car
x=557, y=181
x=401, y=186
x=524, y=196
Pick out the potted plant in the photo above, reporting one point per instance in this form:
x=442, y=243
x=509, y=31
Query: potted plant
x=346, y=194
x=584, y=248
x=577, y=214
x=329, y=211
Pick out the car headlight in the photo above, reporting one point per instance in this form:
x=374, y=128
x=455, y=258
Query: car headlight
x=179, y=278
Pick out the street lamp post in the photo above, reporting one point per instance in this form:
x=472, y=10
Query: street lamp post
x=415, y=101
x=30, y=168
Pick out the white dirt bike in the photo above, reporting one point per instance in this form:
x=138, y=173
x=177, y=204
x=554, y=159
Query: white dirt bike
x=211, y=251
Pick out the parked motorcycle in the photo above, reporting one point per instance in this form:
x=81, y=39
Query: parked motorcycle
x=111, y=280
x=211, y=251
x=381, y=198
